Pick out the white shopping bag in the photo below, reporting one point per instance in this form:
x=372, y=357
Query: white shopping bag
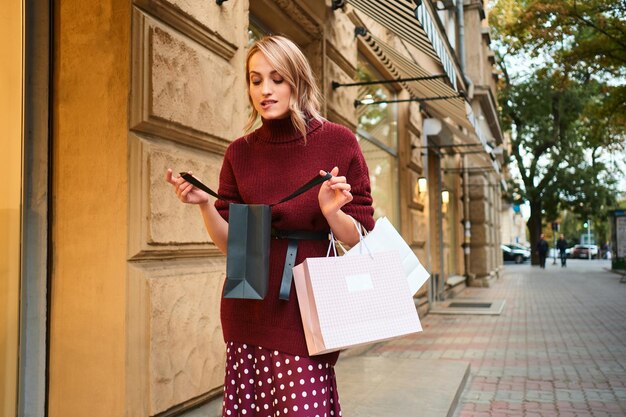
x=349, y=301
x=384, y=237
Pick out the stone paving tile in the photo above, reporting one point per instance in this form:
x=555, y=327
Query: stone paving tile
x=557, y=349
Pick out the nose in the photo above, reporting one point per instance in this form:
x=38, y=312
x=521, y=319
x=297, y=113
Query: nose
x=266, y=87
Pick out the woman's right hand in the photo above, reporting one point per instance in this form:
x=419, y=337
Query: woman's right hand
x=185, y=191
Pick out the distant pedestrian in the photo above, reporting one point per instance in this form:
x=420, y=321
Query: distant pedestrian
x=561, y=245
x=542, y=251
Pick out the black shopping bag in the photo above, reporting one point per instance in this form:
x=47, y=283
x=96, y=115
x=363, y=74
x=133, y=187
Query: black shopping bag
x=248, y=259
x=248, y=246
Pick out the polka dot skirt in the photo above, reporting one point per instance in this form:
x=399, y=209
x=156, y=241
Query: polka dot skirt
x=265, y=383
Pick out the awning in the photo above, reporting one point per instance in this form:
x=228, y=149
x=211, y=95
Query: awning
x=415, y=25
x=455, y=108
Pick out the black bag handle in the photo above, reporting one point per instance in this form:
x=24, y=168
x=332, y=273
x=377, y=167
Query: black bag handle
x=318, y=179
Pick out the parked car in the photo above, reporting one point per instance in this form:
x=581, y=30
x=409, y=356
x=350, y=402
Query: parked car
x=585, y=251
x=514, y=252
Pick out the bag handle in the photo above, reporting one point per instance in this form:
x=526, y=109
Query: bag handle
x=334, y=242
x=318, y=179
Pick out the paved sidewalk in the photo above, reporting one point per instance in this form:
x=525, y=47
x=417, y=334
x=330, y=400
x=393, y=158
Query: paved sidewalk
x=558, y=348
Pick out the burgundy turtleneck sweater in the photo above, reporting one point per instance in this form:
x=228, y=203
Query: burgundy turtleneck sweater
x=262, y=168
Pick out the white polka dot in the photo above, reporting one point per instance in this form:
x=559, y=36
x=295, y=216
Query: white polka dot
x=243, y=411
x=249, y=356
x=239, y=350
x=240, y=360
x=287, y=361
x=310, y=367
x=236, y=406
x=280, y=375
x=282, y=386
x=323, y=391
x=302, y=382
x=262, y=357
x=245, y=371
x=295, y=408
x=262, y=395
x=260, y=383
x=278, y=364
x=322, y=380
x=314, y=392
x=232, y=382
x=297, y=358
x=312, y=380
x=258, y=409
x=248, y=396
x=275, y=352
x=289, y=372
x=306, y=406
x=319, y=366
x=266, y=406
x=242, y=386
x=315, y=405
x=291, y=384
x=258, y=372
x=304, y=394
x=324, y=403
x=251, y=381
x=245, y=346
x=228, y=412
x=266, y=369
x=285, y=410
x=230, y=396
x=269, y=380
x=293, y=396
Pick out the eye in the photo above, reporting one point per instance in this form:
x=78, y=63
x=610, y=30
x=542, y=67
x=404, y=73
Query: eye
x=255, y=81
x=278, y=80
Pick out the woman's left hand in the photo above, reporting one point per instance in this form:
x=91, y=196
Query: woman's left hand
x=334, y=193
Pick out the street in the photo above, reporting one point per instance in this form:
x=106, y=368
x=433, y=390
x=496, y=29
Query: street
x=557, y=349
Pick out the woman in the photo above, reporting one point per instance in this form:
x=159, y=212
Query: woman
x=268, y=370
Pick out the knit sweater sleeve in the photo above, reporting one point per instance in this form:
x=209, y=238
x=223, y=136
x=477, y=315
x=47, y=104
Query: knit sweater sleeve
x=358, y=177
x=227, y=185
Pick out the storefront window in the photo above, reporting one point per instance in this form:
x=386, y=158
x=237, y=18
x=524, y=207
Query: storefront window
x=377, y=134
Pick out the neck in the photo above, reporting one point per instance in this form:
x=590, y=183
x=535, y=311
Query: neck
x=283, y=130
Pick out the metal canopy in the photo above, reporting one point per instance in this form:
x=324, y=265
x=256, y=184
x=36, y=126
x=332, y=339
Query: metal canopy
x=411, y=21
x=454, y=108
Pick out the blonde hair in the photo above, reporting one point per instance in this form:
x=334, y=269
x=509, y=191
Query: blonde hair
x=291, y=64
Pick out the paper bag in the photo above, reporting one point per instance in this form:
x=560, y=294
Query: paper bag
x=384, y=237
x=349, y=301
x=247, y=262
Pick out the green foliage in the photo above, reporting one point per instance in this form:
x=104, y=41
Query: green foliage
x=567, y=111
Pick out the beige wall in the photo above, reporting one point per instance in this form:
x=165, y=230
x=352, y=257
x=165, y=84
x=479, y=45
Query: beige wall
x=11, y=106
x=90, y=204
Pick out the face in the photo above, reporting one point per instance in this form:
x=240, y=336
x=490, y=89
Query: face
x=269, y=92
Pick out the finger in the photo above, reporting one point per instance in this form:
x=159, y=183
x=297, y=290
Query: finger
x=341, y=186
x=334, y=171
x=168, y=176
x=335, y=180
x=348, y=195
x=186, y=190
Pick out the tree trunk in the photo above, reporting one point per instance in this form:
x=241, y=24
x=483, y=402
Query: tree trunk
x=534, y=229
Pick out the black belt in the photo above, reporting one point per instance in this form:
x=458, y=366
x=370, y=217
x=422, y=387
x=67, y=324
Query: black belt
x=292, y=249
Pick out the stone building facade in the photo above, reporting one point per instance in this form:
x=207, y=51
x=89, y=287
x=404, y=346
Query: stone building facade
x=136, y=87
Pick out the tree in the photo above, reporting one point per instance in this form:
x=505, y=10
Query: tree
x=563, y=114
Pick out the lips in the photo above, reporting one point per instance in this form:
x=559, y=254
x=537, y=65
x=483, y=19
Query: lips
x=267, y=103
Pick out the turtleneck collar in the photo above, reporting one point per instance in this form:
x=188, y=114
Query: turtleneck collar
x=283, y=130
